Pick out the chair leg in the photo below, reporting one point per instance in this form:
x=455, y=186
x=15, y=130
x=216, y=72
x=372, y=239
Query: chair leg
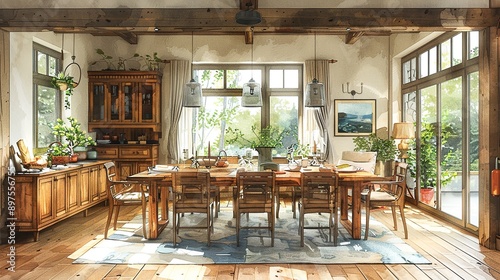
x=238, y=216
x=278, y=202
x=108, y=221
x=301, y=228
x=367, y=224
x=116, y=216
x=394, y=218
x=402, y=210
x=271, y=225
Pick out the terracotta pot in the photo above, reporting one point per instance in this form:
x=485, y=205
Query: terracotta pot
x=60, y=160
x=73, y=157
x=426, y=195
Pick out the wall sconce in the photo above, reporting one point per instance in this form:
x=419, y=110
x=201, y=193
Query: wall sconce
x=403, y=131
x=352, y=92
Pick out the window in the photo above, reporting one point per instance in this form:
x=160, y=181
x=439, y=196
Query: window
x=443, y=102
x=221, y=109
x=46, y=63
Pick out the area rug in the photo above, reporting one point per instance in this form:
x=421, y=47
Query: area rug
x=126, y=245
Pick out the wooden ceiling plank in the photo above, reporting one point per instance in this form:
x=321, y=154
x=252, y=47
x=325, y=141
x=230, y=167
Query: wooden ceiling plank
x=352, y=37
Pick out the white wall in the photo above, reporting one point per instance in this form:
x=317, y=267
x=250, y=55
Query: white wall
x=365, y=61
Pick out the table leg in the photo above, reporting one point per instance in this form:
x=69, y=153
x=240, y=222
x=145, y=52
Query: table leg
x=153, y=210
x=356, y=210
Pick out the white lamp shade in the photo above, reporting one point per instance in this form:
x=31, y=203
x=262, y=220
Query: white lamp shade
x=252, y=95
x=315, y=94
x=192, y=94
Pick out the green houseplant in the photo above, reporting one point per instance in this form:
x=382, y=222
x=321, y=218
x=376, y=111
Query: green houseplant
x=386, y=150
x=428, y=161
x=64, y=83
x=71, y=133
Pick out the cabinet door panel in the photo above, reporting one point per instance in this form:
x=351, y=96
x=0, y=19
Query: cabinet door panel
x=94, y=183
x=147, y=102
x=129, y=108
x=97, y=101
x=73, y=191
x=106, y=153
x=103, y=191
x=45, y=195
x=84, y=186
x=126, y=169
x=60, y=193
x=114, y=96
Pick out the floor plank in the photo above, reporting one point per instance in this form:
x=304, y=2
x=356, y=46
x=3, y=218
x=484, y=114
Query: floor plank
x=454, y=254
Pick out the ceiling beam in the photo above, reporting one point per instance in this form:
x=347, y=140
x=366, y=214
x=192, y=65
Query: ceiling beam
x=352, y=37
x=130, y=37
x=373, y=22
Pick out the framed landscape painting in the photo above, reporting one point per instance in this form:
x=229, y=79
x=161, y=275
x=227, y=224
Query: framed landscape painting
x=354, y=117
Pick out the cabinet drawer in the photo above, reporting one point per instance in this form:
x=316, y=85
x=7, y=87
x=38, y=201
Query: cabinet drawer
x=135, y=152
x=107, y=153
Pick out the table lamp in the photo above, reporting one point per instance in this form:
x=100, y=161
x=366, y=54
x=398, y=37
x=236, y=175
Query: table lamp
x=403, y=131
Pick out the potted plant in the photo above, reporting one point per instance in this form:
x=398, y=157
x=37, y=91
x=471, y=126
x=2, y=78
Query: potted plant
x=58, y=154
x=153, y=61
x=106, y=58
x=428, y=161
x=263, y=140
x=66, y=84
x=72, y=134
x=386, y=151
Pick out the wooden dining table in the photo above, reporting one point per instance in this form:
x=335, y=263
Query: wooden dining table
x=159, y=183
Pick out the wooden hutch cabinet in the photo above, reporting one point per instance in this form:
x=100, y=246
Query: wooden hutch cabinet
x=124, y=100
x=125, y=105
x=45, y=198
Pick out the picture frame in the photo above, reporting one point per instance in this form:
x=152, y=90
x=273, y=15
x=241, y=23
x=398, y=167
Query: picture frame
x=355, y=117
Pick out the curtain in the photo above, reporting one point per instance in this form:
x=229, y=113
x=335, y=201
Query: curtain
x=321, y=115
x=180, y=71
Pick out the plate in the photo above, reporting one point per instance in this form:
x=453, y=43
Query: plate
x=103, y=141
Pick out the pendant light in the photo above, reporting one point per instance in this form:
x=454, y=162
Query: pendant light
x=252, y=95
x=192, y=89
x=315, y=91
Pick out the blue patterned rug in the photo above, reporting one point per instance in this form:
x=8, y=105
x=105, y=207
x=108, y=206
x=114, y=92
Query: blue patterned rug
x=126, y=245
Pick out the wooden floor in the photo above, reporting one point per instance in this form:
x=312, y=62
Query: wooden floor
x=454, y=255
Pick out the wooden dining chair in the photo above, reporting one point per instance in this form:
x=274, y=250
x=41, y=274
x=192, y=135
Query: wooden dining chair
x=192, y=194
x=387, y=193
x=319, y=192
x=255, y=193
x=124, y=193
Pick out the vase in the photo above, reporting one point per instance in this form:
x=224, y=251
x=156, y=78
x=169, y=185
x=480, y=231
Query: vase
x=265, y=154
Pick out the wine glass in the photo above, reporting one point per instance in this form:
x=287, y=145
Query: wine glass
x=321, y=159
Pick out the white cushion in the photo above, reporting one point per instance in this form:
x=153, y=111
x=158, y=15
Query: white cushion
x=364, y=160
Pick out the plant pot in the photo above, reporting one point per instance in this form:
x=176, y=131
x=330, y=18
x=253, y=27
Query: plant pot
x=383, y=168
x=73, y=157
x=426, y=195
x=60, y=160
x=92, y=154
x=265, y=154
x=62, y=86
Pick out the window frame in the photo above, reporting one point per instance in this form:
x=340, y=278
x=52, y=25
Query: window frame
x=46, y=81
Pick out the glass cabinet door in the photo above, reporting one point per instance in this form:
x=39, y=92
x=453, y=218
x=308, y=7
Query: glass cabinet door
x=98, y=100
x=128, y=108
x=147, y=101
x=114, y=91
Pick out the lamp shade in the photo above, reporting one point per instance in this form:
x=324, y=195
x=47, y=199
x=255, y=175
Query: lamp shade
x=248, y=17
x=192, y=94
x=404, y=130
x=315, y=94
x=252, y=95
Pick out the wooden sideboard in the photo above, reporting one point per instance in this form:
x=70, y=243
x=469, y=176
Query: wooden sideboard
x=129, y=158
x=47, y=197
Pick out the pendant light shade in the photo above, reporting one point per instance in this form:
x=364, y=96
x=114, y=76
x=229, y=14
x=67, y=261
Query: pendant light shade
x=315, y=94
x=252, y=95
x=192, y=96
x=315, y=91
